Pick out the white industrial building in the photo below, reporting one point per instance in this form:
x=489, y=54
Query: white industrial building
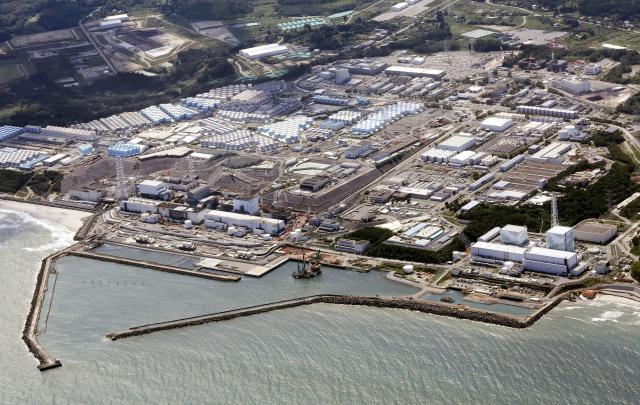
x=536, y=259
x=414, y=72
x=496, y=124
x=560, y=238
x=140, y=205
x=555, y=152
x=399, y=6
x=154, y=189
x=247, y=205
x=496, y=251
x=574, y=86
x=458, y=143
x=264, y=51
x=514, y=235
x=222, y=219
x=550, y=261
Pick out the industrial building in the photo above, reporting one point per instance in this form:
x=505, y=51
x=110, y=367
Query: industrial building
x=549, y=112
x=514, y=235
x=247, y=205
x=496, y=124
x=314, y=183
x=560, y=238
x=414, y=72
x=352, y=246
x=496, y=251
x=154, y=189
x=222, y=220
x=264, y=51
x=357, y=151
x=594, y=232
x=550, y=261
x=458, y=143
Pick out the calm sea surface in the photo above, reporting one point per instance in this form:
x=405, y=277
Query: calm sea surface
x=582, y=353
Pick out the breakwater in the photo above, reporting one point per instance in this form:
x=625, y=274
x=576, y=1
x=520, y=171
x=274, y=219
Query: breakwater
x=30, y=331
x=154, y=266
x=453, y=311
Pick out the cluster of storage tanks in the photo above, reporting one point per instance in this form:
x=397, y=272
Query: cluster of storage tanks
x=8, y=131
x=14, y=157
x=549, y=112
x=287, y=131
x=215, y=126
x=387, y=115
x=123, y=149
x=204, y=105
x=240, y=117
x=240, y=140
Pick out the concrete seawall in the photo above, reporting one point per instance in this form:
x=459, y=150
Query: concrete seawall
x=400, y=303
x=30, y=331
x=154, y=266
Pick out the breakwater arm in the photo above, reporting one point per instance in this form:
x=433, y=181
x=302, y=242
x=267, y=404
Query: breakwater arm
x=454, y=311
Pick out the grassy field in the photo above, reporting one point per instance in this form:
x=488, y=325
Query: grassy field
x=629, y=39
x=9, y=72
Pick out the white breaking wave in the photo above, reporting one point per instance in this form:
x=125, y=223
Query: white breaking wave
x=608, y=316
x=60, y=237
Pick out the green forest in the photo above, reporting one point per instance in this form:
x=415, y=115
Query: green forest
x=195, y=70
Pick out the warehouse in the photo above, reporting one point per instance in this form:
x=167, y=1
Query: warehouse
x=414, y=72
x=223, y=219
x=246, y=205
x=263, y=51
x=458, y=143
x=496, y=124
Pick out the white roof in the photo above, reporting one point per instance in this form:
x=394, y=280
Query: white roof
x=497, y=122
x=559, y=254
x=415, y=70
x=499, y=247
x=152, y=183
x=560, y=230
x=262, y=49
x=514, y=228
x=456, y=140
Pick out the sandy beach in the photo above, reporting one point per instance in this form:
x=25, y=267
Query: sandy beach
x=616, y=300
x=69, y=220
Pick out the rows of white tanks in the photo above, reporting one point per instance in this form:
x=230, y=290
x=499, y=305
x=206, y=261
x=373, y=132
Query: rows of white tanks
x=382, y=118
x=287, y=131
x=240, y=140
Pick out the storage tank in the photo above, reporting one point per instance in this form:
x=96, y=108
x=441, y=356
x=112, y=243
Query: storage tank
x=407, y=269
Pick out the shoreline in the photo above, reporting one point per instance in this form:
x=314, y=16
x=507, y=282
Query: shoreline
x=54, y=219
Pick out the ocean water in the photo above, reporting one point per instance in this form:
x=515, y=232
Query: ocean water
x=580, y=353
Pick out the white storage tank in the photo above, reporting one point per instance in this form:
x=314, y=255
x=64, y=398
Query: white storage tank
x=407, y=269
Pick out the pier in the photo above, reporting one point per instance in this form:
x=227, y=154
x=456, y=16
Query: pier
x=154, y=266
x=454, y=311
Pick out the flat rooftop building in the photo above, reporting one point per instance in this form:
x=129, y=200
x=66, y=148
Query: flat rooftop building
x=264, y=51
x=414, y=72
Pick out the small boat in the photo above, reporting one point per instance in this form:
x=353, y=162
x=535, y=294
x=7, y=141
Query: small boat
x=447, y=299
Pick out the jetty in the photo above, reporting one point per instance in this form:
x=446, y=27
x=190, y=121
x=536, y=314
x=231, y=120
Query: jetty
x=154, y=266
x=30, y=331
x=454, y=311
